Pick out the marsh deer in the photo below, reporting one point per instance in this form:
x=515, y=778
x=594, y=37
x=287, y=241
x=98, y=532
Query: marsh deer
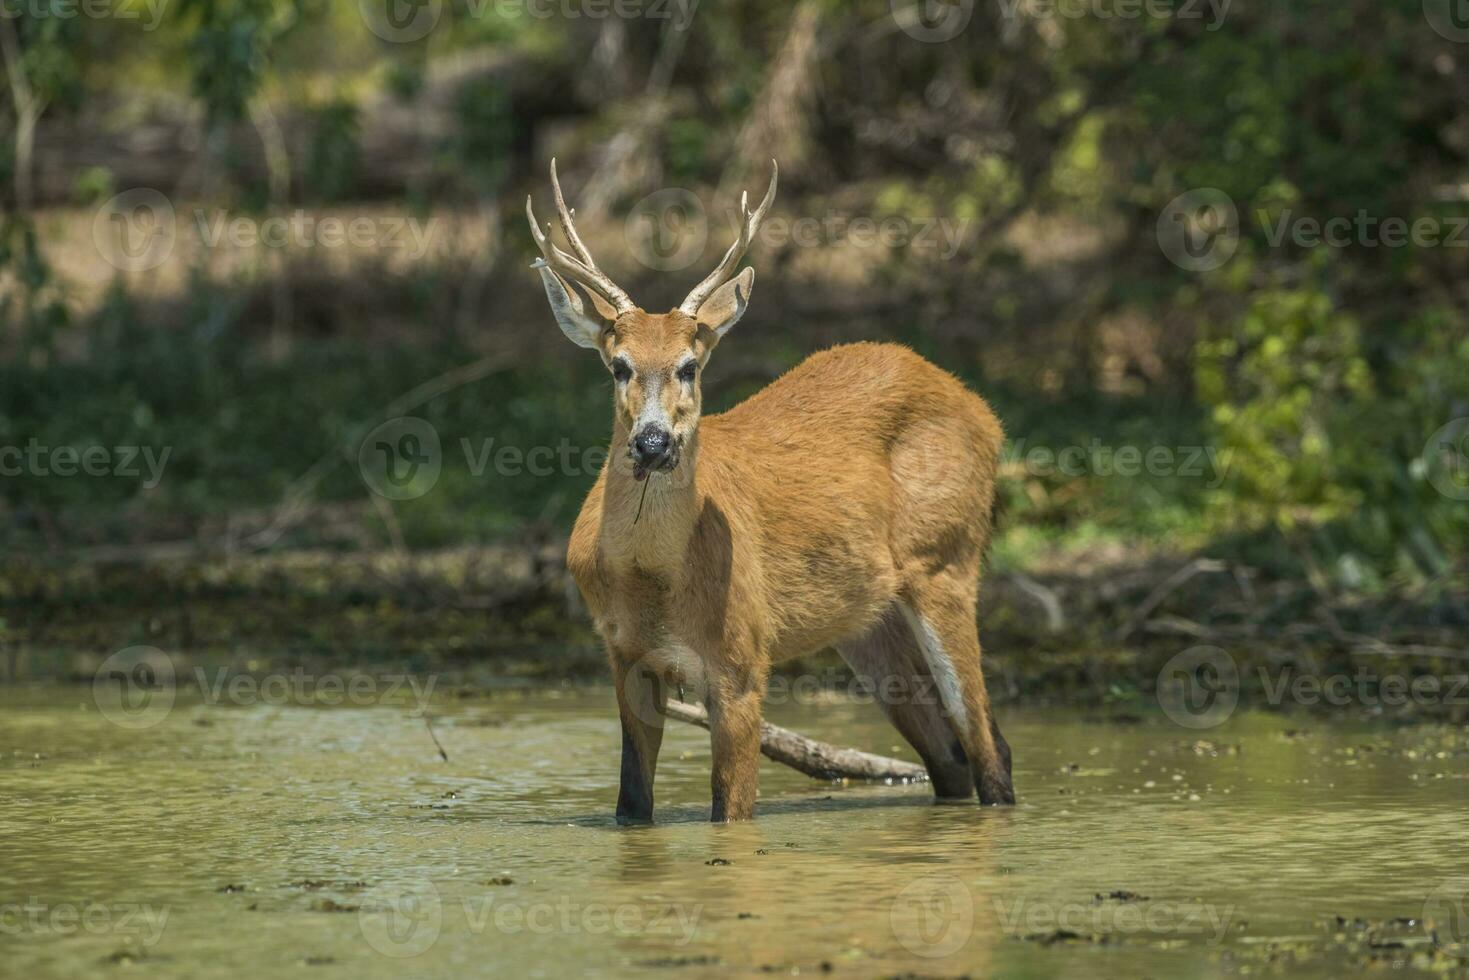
x=847, y=504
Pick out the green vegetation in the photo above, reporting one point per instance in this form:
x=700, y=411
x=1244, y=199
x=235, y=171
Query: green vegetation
x=1294, y=396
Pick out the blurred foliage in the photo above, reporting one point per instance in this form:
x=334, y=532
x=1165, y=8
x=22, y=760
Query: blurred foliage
x=1287, y=386
x=1318, y=372
x=239, y=427
x=32, y=304
x=334, y=157
x=480, y=147
x=52, y=48
x=229, y=50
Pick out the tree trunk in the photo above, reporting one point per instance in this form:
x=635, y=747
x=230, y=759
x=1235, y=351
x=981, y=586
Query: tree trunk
x=28, y=109
x=778, y=125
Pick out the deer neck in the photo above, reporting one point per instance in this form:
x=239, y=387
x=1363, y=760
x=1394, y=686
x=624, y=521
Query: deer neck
x=648, y=523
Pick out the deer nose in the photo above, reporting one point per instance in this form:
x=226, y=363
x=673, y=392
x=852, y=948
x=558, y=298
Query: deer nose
x=651, y=444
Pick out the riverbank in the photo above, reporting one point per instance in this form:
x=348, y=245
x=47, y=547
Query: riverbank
x=1094, y=627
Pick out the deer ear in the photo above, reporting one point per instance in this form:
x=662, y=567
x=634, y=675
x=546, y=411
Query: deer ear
x=724, y=309
x=571, y=316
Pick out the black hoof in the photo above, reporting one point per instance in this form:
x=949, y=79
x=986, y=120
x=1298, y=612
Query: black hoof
x=996, y=794
x=632, y=820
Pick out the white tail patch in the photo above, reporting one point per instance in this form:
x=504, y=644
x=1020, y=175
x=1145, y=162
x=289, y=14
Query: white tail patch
x=939, y=665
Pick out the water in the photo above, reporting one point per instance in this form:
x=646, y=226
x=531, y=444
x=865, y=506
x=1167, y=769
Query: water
x=335, y=842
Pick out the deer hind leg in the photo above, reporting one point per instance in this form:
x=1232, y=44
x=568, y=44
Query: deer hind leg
x=940, y=610
x=887, y=657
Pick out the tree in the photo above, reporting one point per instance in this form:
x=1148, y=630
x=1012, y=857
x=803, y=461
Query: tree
x=40, y=66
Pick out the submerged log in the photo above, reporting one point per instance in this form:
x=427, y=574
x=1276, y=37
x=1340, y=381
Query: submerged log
x=819, y=760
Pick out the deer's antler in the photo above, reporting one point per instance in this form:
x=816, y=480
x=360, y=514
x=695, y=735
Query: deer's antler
x=749, y=224
x=580, y=268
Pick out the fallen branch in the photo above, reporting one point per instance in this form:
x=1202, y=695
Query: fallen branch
x=819, y=760
x=1055, y=617
x=1169, y=585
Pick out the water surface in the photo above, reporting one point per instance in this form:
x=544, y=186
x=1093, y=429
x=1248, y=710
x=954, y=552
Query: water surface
x=335, y=842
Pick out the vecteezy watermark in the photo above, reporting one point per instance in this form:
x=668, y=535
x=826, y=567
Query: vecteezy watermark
x=139, y=229
x=126, y=462
x=1363, y=688
x=302, y=230
x=679, y=13
x=1363, y=230
x=940, y=235
x=1214, y=10
x=404, y=458
x=135, y=231
x=1097, y=459
x=1450, y=18
x=1199, y=687
x=1134, y=916
x=302, y=689
x=668, y=230
x=136, y=688
x=1445, y=460
x=406, y=21
x=400, y=21
x=679, y=671
x=507, y=459
x=401, y=459
x=903, y=688
x=1199, y=229
x=1446, y=916
x=403, y=920
x=932, y=21
x=936, y=21
x=150, y=12
x=37, y=918
x=933, y=916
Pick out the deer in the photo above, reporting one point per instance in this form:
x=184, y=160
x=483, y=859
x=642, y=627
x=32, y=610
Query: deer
x=846, y=505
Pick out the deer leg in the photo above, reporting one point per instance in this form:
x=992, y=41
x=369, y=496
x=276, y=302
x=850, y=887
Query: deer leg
x=1003, y=747
x=734, y=703
x=940, y=611
x=888, y=658
x=641, y=699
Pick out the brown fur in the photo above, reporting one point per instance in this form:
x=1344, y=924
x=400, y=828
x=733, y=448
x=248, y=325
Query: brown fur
x=862, y=479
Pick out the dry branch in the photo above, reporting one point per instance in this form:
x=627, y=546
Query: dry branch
x=1166, y=588
x=1055, y=616
x=819, y=760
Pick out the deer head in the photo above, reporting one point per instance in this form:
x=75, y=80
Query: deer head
x=656, y=359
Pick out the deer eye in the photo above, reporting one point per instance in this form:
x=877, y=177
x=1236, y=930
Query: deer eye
x=621, y=370
x=687, y=370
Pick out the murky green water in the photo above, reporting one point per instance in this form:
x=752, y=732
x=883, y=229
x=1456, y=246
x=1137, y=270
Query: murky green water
x=334, y=842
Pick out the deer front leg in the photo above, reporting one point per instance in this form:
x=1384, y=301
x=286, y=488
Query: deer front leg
x=734, y=704
x=642, y=698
